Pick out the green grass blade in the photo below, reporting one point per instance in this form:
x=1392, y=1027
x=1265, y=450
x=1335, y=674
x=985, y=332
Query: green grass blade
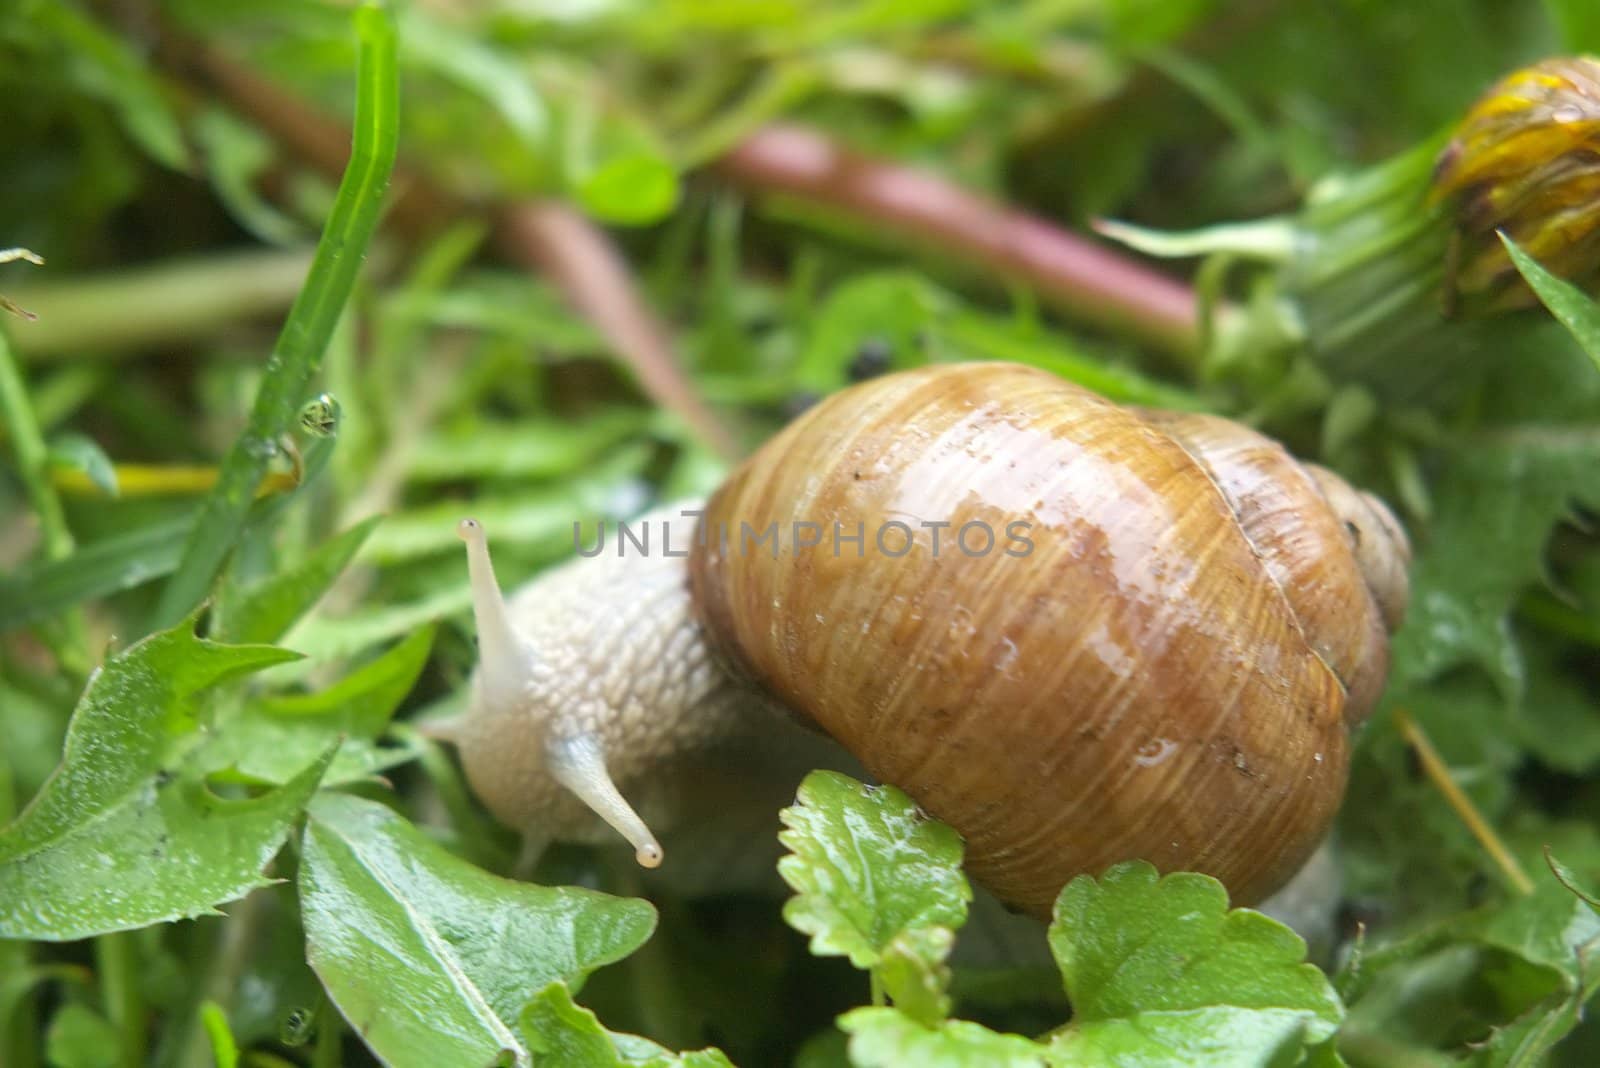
x=102, y=568
x=1579, y=314
x=298, y=353
x=32, y=455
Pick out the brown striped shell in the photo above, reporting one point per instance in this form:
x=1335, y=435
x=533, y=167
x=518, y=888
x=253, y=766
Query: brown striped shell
x=1168, y=670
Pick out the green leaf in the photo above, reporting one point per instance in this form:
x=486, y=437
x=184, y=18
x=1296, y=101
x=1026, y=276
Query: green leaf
x=1494, y=506
x=525, y=449
x=236, y=155
x=867, y=866
x=563, y=1034
x=1158, y=970
x=348, y=635
x=539, y=519
x=269, y=738
x=109, y=566
x=1566, y=301
x=75, y=452
x=914, y=973
x=79, y=1037
x=265, y=611
x=1266, y=240
x=631, y=189
x=1520, y=970
x=123, y=835
x=430, y=959
x=887, y=1038
x=429, y=43
x=1557, y=721
x=105, y=67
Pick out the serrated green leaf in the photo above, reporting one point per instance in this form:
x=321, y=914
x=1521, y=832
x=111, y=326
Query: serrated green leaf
x=887, y=1038
x=914, y=973
x=1552, y=928
x=866, y=866
x=1523, y=967
x=430, y=959
x=1222, y=1036
x=1566, y=301
x=1158, y=970
x=113, y=840
x=563, y=1034
x=269, y=737
x=136, y=706
x=173, y=851
x=265, y=611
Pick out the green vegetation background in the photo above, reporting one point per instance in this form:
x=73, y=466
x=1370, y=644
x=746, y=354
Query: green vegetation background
x=177, y=228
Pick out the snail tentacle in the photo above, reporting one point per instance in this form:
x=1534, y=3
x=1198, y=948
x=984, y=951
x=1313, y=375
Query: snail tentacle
x=578, y=764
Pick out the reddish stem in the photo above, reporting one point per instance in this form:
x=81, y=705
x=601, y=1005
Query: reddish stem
x=1086, y=280
x=567, y=248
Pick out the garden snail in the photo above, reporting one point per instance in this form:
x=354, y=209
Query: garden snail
x=1077, y=632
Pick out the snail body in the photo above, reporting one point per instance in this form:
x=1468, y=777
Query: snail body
x=1078, y=633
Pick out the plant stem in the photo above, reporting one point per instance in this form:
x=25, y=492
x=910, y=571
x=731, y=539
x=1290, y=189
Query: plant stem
x=32, y=457
x=116, y=958
x=330, y=1032
x=33, y=461
x=234, y=942
x=298, y=353
x=19, y=1038
x=1437, y=771
x=119, y=312
x=582, y=261
x=1092, y=283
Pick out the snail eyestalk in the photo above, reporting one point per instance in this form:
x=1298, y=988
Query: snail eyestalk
x=509, y=680
x=506, y=659
x=578, y=764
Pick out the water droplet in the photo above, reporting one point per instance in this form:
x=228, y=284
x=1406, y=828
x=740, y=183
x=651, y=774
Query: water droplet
x=320, y=416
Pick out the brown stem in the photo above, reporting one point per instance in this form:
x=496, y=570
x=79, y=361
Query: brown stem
x=559, y=242
x=1092, y=283
x=537, y=234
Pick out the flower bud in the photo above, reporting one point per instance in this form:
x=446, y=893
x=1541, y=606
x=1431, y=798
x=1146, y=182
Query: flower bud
x=1524, y=161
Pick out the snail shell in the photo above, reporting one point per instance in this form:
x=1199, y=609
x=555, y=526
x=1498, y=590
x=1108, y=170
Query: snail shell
x=1077, y=632
x=1169, y=673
